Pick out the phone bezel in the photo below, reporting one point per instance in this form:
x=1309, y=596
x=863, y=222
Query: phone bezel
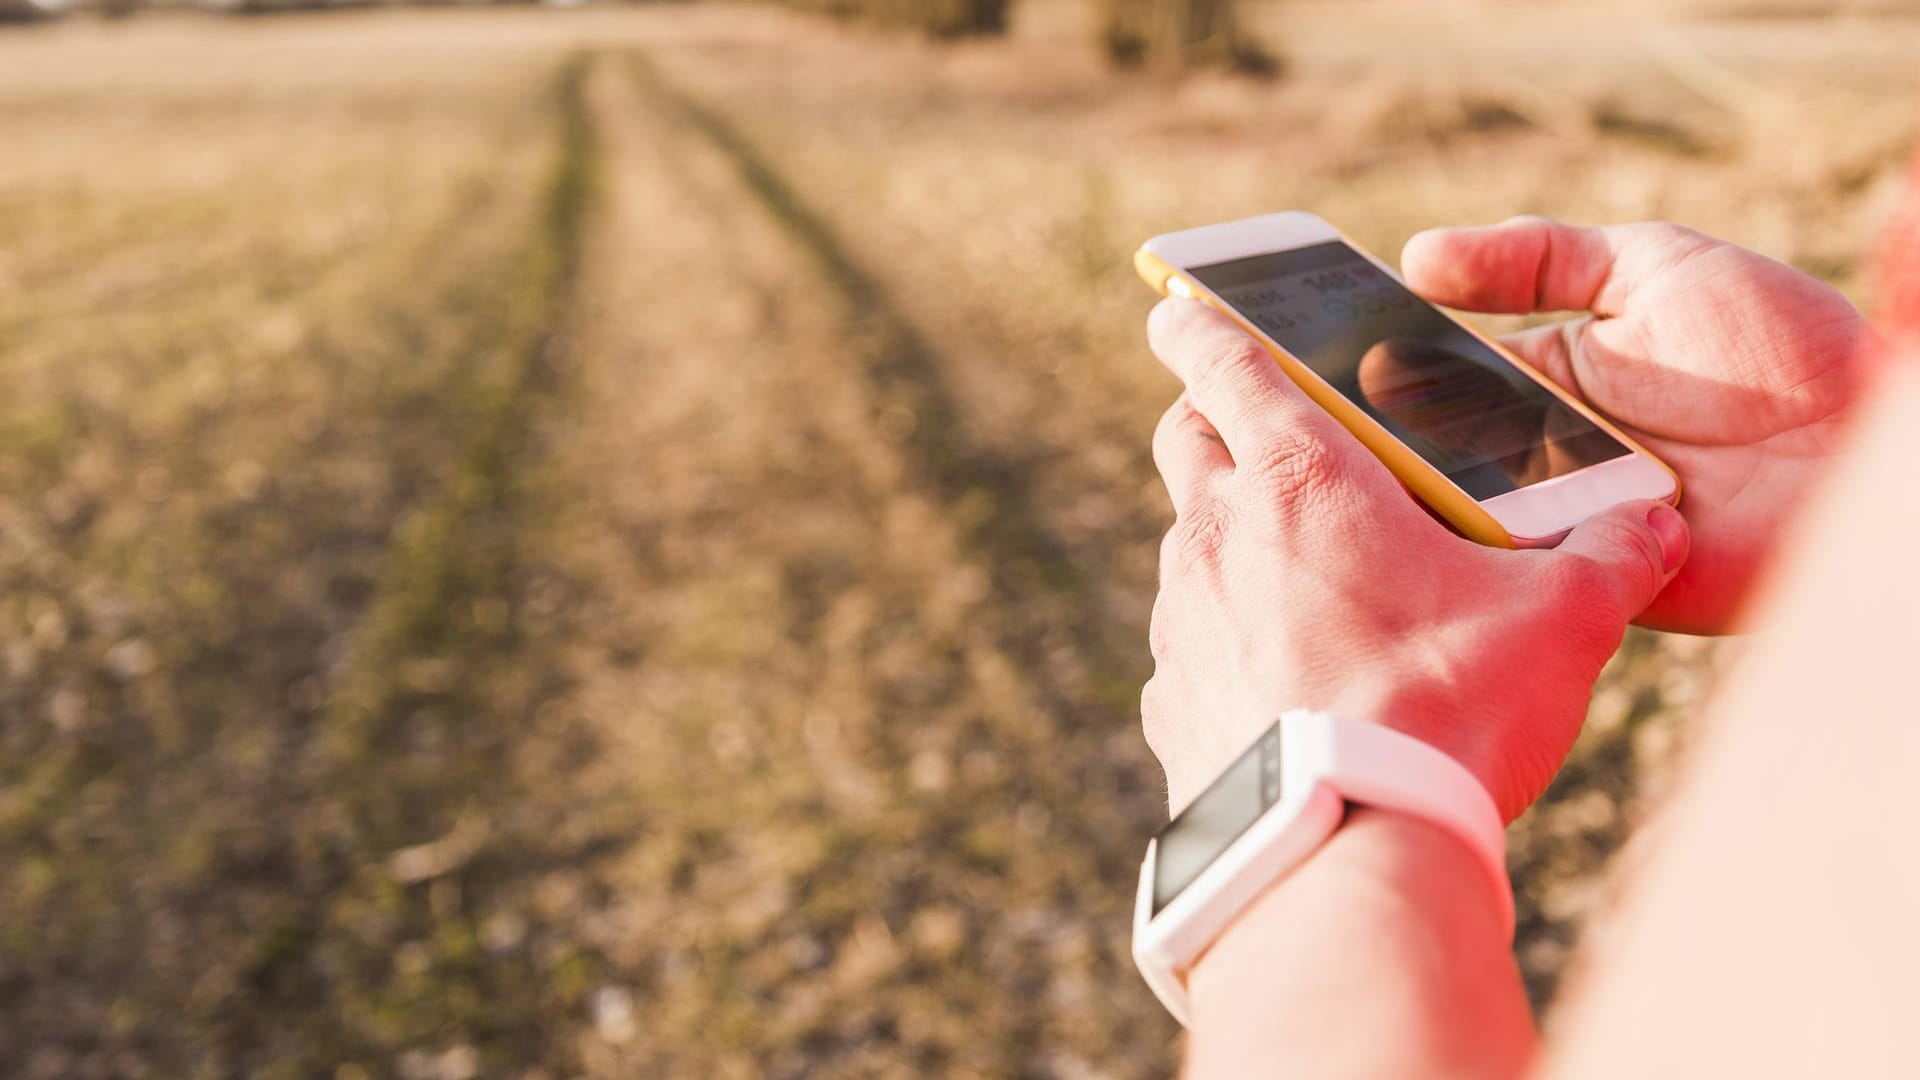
x=1537, y=515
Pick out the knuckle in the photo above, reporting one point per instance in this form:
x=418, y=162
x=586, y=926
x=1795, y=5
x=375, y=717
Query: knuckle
x=1228, y=361
x=1645, y=566
x=1179, y=424
x=1178, y=415
x=1157, y=716
x=1578, y=581
x=1652, y=562
x=1571, y=337
x=1587, y=600
x=1163, y=438
x=1291, y=465
x=1159, y=634
x=1196, y=539
x=1166, y=720
x=1674, y=232
x=1674, y=244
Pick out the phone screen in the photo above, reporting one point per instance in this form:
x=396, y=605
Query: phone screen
x=1440, y=390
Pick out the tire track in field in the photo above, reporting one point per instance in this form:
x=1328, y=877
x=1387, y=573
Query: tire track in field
x=901, y=365
x=319, y=800
x=877, y=826
x=987, y=498
x=429, y=824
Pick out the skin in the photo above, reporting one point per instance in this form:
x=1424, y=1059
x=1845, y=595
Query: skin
x=1265, y=483
x=1298, y=574
x=1736, y=370
x=1382, y=956
x=1772, y=931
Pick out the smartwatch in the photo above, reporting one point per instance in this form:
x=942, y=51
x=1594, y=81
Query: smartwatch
x=1270, y=810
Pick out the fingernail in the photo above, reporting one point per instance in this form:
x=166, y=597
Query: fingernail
x=1671, y=528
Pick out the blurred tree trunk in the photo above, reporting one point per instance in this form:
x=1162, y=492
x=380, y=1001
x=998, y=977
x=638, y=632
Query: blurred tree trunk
x=1171, y=35
x=965, y=18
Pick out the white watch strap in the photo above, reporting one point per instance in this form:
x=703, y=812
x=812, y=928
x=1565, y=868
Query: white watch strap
x=1374, y=765
x=1325, y=762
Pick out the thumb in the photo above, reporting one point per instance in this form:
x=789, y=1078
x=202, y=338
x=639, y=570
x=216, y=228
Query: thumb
x=1538, y=264
x=1522, y=265
x=1638, y=546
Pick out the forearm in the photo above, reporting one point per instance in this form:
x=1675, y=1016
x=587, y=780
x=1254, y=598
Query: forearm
x=1771, y=932
x=1382, y=955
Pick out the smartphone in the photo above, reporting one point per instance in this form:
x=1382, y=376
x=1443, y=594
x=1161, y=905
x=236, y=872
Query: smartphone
x=1494, y=448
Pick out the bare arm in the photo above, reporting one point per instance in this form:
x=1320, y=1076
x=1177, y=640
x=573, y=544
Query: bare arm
x=1382, y=956
x=1777, y=930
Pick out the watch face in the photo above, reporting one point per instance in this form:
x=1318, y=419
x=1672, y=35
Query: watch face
x=1208, y=826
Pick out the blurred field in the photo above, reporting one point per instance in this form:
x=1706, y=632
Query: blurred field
x=618, y=542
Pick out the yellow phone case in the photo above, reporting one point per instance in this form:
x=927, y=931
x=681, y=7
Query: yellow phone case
x=1427, y=483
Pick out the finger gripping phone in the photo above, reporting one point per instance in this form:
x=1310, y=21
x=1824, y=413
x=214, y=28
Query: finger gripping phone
x=1494, y=448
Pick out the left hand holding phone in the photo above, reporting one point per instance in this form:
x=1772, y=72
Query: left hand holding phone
x=1737, y=370
x=1298, y=574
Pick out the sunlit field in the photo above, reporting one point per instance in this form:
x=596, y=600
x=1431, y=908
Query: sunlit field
x=618, y=542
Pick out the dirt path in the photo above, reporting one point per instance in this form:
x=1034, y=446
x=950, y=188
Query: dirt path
x=828, y=644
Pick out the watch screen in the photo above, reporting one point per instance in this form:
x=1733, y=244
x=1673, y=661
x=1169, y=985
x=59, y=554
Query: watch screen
x=1457, y=403
x=1190, y=842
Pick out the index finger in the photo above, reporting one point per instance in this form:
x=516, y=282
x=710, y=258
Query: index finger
x=1270, y=426
x=1533, y=264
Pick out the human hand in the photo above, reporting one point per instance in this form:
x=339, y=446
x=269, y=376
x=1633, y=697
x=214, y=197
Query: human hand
x=1738, y=371
x=1299, y=574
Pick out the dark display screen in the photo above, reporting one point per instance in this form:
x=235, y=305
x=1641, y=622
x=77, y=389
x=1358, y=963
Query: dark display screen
x=1191, y=842
x=1436, y=387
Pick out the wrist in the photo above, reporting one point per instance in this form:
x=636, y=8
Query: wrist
x=1387, y=893
x=1428, y=706
x=1379, y=863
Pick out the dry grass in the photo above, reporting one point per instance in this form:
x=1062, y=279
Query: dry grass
x=453, y=628
x=266, y=336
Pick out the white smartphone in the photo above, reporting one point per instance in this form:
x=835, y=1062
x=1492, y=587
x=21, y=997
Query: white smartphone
x=1490, y=445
